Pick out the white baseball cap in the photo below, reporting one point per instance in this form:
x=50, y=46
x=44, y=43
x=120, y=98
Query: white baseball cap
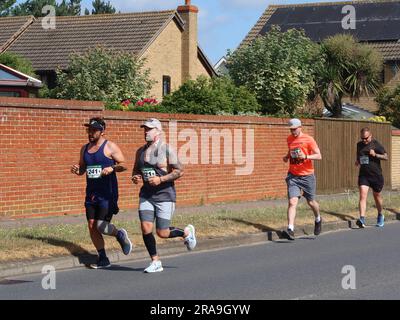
x=152, y=123
x=294, y=123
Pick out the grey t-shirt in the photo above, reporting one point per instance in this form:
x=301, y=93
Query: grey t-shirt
x=164, y=192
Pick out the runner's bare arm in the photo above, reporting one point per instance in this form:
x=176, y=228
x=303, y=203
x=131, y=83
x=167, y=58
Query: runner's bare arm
x=136, y=176
x=79, y=169
x=174, y=165
x=119, y=158
x=381, y=156
x=316, y=154
x=286, y=157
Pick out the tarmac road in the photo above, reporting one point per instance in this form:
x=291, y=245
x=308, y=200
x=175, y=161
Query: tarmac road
x=307, y=268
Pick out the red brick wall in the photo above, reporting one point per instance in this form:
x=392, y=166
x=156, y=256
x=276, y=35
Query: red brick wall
x=41, y=139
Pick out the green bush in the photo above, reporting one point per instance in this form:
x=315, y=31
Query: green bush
x=389, y=104
x=102, y=74
x=211, y=96
x=18, y=63
x=279, y=68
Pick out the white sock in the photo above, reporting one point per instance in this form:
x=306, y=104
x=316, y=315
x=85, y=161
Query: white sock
x=291, y=227
x=318, y=219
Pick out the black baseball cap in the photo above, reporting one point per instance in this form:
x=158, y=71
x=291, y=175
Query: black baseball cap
x=96, y=123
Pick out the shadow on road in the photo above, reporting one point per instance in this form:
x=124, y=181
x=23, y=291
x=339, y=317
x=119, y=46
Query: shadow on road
x=84, y=256
x=117, y=267
x=8, y=282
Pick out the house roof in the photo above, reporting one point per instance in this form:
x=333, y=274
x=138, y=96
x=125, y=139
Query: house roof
x=376, y=21
x=12, y=77
x=50, y=48
x=390, y=49
x=11, y=28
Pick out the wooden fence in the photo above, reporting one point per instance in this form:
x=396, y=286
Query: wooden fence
x=337, y=140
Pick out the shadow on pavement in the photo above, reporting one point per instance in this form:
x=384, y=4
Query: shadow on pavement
x=262, y=228
x=397, y=213
x=84, y=256
x=344, y=217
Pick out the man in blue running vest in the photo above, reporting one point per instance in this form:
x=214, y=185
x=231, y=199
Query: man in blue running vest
x=157, y=166
x=100, y=159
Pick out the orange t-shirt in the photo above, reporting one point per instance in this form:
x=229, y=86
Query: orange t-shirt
x=306, y=143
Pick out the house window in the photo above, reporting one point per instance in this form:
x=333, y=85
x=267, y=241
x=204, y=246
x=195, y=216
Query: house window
x=166, y=85
x=10, y=94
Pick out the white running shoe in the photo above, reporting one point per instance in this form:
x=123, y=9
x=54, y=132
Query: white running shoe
x=155, y=266
x=190, y=240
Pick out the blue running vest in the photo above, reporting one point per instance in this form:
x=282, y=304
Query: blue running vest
x=100, y=190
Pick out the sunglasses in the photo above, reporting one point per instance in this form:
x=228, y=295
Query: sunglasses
x=365, y=139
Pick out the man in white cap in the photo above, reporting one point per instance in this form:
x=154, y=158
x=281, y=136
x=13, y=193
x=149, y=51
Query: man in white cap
x=302, y=149
x=157, y=166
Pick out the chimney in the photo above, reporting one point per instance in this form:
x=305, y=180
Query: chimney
x=189, y=39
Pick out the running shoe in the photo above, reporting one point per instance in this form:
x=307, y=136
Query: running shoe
x=190, y=240
x=361, y=222
x=102, y=263
x=380, y=221
x=155, y=266
x=317, y=227
x=123, y=240
x=289, y=234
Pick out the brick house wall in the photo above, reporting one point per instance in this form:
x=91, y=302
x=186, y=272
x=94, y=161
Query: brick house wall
x=175, y=53
x=395, y=159
x=163, y=57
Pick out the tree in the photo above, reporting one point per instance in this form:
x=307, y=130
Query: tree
x=279, y=68
x=69, y=8
x=389, y=104
x=211, y=96
x=104, y=75
x=5, y=7
x=17, y=62
x=34, y=7
x=349, y=68
x=101, y=7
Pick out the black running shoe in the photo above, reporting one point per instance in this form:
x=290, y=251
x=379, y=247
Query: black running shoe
x=289, y=234
x=361, y=222
x=101, y=264
x=317, y=227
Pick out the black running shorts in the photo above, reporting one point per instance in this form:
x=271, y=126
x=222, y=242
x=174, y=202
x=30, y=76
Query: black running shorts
x=375, y=182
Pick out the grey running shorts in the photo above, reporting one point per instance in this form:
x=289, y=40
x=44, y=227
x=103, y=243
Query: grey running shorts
x=296, y=184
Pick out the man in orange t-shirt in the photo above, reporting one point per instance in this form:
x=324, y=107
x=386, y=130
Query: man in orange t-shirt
x=300, y=178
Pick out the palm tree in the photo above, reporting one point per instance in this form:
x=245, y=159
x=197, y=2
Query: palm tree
x=350, y=69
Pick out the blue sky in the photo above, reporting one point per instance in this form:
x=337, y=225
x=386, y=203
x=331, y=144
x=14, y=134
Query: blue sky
x=222, y=23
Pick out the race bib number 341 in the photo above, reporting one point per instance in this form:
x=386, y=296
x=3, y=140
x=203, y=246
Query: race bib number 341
x=93, y=172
